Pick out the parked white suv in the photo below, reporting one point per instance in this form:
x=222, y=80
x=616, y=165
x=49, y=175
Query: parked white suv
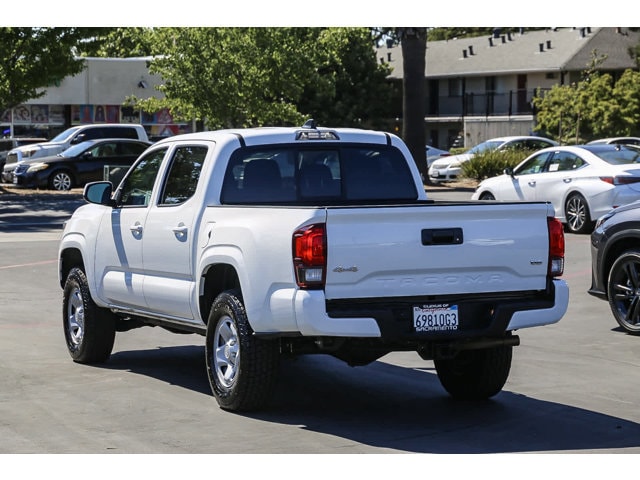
x=74, y=135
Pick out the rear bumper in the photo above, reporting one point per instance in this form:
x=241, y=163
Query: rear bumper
x=485, y=315
x=544, y=316
x=444, y=175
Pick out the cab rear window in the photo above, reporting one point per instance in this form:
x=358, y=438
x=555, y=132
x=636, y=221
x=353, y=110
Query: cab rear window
x=309, y=175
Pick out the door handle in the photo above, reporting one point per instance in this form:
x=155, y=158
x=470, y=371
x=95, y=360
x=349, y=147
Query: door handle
x=532, y=183
x=566, y=180
x=180, y=231
x=137, y=228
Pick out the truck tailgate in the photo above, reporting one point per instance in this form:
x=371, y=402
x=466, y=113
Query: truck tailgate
x=436, y=249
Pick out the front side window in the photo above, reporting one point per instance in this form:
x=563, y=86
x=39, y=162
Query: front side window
x=61, y=137
x=136, y=188
x=533, y=165
x=487, y=146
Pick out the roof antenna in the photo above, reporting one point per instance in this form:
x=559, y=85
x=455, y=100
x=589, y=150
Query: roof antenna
x=311, y=123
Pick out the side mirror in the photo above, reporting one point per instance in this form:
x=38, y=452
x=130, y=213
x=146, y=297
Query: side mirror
x=509, y=171
x=99, y=193
x=78, y=138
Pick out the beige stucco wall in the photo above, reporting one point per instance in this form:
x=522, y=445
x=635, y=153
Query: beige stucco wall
x=104, y=81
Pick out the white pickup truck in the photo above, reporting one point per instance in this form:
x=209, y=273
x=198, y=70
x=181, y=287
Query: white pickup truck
x=277, y=242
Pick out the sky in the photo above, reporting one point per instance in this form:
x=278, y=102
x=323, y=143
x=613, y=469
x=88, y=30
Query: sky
x=322, y=13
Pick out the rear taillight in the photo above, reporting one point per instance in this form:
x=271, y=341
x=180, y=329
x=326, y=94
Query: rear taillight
x=625, y=180
x=608, y=180
x=556, y=247
x=620, y=180
x=310, y=256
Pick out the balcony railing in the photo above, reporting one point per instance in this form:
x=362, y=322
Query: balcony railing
x=515, y=102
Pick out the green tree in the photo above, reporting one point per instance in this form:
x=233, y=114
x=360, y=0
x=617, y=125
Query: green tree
x=594, y=107
x=222, y=75
x=556, y=112
x=357, y=93
x=626, y=94
x=119, y=42
x=32, y=59
x=243, y=77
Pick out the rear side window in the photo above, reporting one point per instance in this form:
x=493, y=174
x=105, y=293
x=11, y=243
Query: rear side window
x=183, y=176
x=308, y=175
x=620, y=155
x=131, y=148
x=107, y=132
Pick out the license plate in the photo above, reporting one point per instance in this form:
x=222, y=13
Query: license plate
x=437, y=317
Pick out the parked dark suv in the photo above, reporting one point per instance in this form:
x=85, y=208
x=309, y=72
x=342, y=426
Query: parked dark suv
x=76, y=134
x=79, y=164
x=7, y=144
x=615, y=264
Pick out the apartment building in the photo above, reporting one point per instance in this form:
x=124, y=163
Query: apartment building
x=482, y=87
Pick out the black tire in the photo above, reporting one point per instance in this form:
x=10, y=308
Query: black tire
x=576, y=213
x=88, y=329
x=487, y=196
x=242, y=368
x=623, y=291
x=61, y=181
x=475, y=374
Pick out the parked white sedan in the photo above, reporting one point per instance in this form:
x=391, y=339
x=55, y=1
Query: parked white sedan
x=582, y=182
x=448, y=169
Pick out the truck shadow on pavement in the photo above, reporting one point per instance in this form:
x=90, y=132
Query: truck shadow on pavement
x=36, y=212
x=400, y=409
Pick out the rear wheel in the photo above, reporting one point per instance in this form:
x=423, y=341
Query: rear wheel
x=576, y=211
x=475, y=374
x=61, y=181
x=88, y=329
x=242, y=368
x=623, y=291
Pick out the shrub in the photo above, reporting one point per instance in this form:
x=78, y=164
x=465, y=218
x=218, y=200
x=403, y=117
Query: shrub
x=490, y=164
x=457, y=150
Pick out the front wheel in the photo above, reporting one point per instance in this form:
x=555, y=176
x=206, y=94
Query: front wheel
x=623, y=291
x=88, y=329
x=487, y=196
x=242, y=368
x=576, y=211
x=61, y=181
x=475, y=374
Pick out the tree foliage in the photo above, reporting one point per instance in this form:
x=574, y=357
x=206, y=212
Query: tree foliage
x=119, y=42
x=594, y=107
x=243, y=77
x=32, y=59
x=359, y=93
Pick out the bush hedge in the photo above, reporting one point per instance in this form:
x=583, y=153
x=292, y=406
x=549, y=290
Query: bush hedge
x=490, y=164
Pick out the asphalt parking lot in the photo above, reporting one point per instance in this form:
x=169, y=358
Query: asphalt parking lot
x=574, y=386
